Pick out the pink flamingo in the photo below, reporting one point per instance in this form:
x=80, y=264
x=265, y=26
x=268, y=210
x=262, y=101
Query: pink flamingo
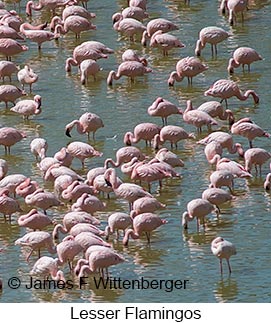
x=100, y=184
x=98, y=260
x=146, y=204
x=67, y=250
x=235, y=168
x=143, y=131
x=8, y=32
x=243, y=56
x=87, y=123
x=221, y=178
x=131, y=69
x=27, y=76
x=38, y=147
x=186, y=67
x=87, y=239
x=127, y=168
x=10, y=136
x=87, y=68
x=165, y=41
x=167, y=156
x=3, y=168
x=216, y=196
x=87, y=50
x=85, y=227
x=215, y=109
x=57, y=170
x=10, y=93
x=196, y=117
x=127, y=191
x=234, y=6
x=132, y=55
x=226, y=89
x=124, y=155
x=246, y=128
x=223, y=249
x=213, y=152
x=75, y=190
x=117, y=221
x=143, y=223
x=88, y=203
x=138, y=3
x=173, y=134
x=12, y=181
x=212, y=35
x=75, y=24
x=133, y=12
x=26, y=187
x=72, y=218
x=45, y=266
x=27, y=108
x=163, y=108
x=51, y=5
x=129, y=27
x=61, y=183
x=225, y=140
x=36, y=240
x=10, y=47
x=256, y=156
x=93, y=173
x=197, y=208
x=42, y=199
x=7, y=69
x=63, y=157
x=76, y=10
x=82, y=151
x=157, y=24
x=34, y=220
x=8, y=205
x=267, y=182
x=11, y=19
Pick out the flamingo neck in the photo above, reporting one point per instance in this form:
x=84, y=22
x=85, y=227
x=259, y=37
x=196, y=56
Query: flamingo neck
x=70, y=61
x=129, y=233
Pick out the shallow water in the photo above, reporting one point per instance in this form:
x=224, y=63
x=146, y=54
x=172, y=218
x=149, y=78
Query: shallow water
x=172, y=254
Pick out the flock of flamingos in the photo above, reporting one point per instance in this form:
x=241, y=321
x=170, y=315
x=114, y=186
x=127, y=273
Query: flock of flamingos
x=85, y=247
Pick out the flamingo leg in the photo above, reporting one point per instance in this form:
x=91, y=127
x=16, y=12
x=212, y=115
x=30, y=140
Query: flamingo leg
x=29, y=255
x=148, y=235
x=229, y=266
x=221, y=267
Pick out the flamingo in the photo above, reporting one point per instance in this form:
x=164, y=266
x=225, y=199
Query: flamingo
x=225, y=140
x=3, y=168
x=67, y=249
x=235, y=168
x=243, y=56
x=27, y=108
x=37, y=36
x=87, y=239
x=51, y=5
x=26, y=75
x=101, y=185
x=85, y=227
x=88, y=203
x=11, y=19
x=82, y=151
x=221, y=178
x=88, y=67
x=10, y=136
x=156, y=24
x=169, y=157
x=146, y=204
x=196, y=117
x=76, y=10
x=256, y=156
x=133, y=12
x=226, y=89
x=222, y=248
x=10, y=93
x=163, y=108
x=75, y=190
x=213, y=151
x=186, y=67
x=196, y=208
x=143, y=223
x=7, y=69
x=36, y=240
x=173, y=134
x=57, y=170
x=45, y=266
x=38, y=147
x=8, y=205
x=42, y=199
x=63, y=157
x=124, y=155
x=267, y=182
x=99, y=259
x=75, y=24
x=129, y=27
x=138, y=3
x=26, y=187
x=216, y=196
x=93, y=173
x=9, y=32
x=215, y=109
x=117, y=221
x=127, y=191
x=132, y=55
x=10, y=47
x=12, y=181
x=143, y=131
x=165, y=41
x=87, y=123
x=131, y=69
x=72, y=218
x=87, y=50
x=212, y=35
x=34, y=220
x=234, y=6
x=246, y=128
